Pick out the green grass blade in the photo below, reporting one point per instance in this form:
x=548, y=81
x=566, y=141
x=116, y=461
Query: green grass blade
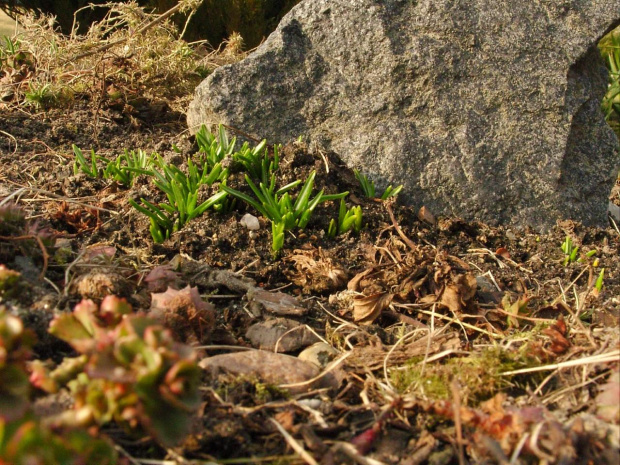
x=328, y=197
x=288, y=187
x=246, y=198
x=304, y=194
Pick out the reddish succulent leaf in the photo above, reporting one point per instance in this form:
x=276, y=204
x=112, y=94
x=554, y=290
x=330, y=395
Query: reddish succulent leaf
x=77, y=328
x=112, y=309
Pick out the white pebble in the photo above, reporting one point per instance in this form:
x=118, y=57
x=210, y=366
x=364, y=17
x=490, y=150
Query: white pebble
x=250, y=222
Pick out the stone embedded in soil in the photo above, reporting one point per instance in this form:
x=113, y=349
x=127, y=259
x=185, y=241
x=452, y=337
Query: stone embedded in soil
x=483, y=109
x=283, y=370
x=277, y=303
x=250, y=222
x=319, y=354
x=282, y=333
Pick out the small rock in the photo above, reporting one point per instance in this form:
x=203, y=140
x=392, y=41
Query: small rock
x=614, y=212
x=319, y=354
x=288, y=335
x=487, y=292
x=511, y=235
x=277, y=303
x=283, y=370
x=250, y=222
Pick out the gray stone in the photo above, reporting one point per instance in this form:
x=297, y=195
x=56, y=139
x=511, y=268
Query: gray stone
x=485, y=109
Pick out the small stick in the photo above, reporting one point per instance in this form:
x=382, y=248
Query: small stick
x=398, y=230
x=290, y=440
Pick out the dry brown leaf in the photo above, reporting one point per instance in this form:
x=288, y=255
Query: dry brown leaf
x=606, y=402
x=354, y=284
x=467, y=286
x=368, y=308
x=557, y=333
x=451, y=298
x=316, y=271
x=426, y=216
x=456, y=295
x=428, y=299
x=502, y=252
x=286, y=418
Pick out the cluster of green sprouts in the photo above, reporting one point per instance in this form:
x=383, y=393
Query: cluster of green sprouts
x=348, y=220
x=286, y=207
x=368, y=187
x=278, y=206
x=610, y=50
x=123, y=169
x=182, y=191
x=571, y=255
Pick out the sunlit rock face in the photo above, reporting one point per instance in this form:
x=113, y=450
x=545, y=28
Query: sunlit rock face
x=483, y=109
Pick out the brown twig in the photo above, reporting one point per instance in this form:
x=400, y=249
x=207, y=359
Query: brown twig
x=400, y=232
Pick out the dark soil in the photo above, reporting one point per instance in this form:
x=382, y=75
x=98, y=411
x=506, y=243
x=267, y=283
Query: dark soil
x=411, y=260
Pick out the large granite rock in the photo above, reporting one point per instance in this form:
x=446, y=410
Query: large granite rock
x=486, y=109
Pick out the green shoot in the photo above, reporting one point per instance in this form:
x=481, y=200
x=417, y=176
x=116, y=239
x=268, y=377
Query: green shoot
x=391, y=192
x=598, y=285
x=81, y=164
x=277, y=233
x=182, y=193
x=40, y=97
x=368, y=187
x=609, y=47
x=347, y=220
x=278, y=206
x=570, y=251
x=10, y=46
x=214, y=149
x=256, y=161
x=127, y=166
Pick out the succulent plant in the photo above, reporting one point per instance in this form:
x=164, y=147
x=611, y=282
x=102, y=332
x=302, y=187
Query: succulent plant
x=28, y=441
x=16, y=344
x=135, y=373
x=24, y=439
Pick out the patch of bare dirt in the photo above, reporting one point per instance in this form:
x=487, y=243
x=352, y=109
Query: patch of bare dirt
x=402, y=298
